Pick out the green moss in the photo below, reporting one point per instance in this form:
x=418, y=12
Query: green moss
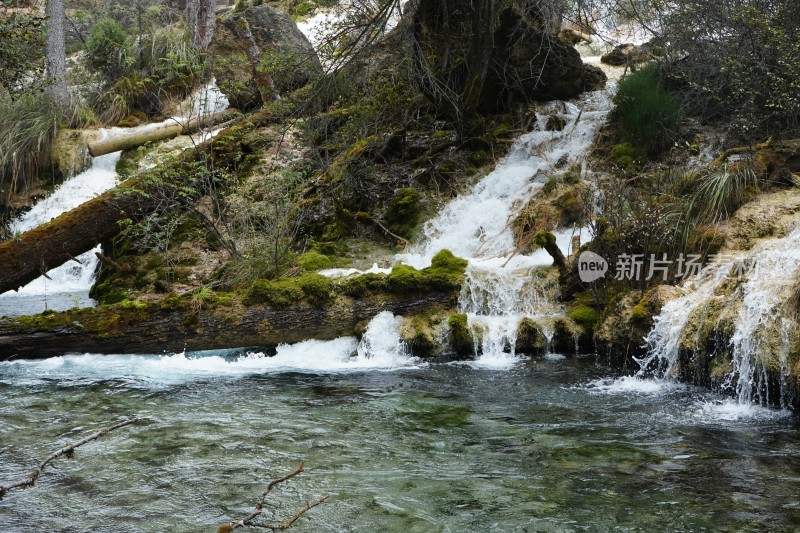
x=405, y=279
x=544, y=239
x=627, y=157
x=530, y=338
x=359, y=286
x=316, y=288
x=313, y=261
x=571, y=206
x=639, y=312
x=173, y=302
x=461, y=340
x=585, y=316
x=403, y=212
x=418, y=333
x=133, y=304
x=277, y=293
x=446, y=271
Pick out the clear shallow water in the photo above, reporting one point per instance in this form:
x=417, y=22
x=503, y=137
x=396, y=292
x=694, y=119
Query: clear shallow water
x=549, y=445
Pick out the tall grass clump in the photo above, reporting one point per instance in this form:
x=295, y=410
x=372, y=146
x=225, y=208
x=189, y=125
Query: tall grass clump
x=721, y=192
x=646, y=112
x=30, y=124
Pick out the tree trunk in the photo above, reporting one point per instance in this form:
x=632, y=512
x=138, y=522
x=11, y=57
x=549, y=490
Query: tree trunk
x=201, y=21
x=114, y=329
x=25, y=258
x=56, y=55
x=134, y=137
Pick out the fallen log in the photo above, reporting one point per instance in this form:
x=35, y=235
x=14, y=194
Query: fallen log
x=28, y=256
x=176, y=325
x=125, y=139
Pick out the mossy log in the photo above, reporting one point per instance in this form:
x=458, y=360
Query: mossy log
x=138, y=136
x=175, y=324
x=33, y=253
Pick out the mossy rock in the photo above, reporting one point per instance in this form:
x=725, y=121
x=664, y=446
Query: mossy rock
x=530, y=338
x=358, y=286
x=418, y=334
x=313, y=261
x=446, y=271
x=277, y=293
x=405, y=279
x=317, y=288
x=587, y=317
x=403, y=212
x=461, y=338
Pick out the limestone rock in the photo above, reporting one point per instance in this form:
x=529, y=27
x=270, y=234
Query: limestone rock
x=261, y=52
x=628, y=54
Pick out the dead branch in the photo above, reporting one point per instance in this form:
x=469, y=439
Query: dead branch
x=286, y=524
x=68, y=450
x=119, y=267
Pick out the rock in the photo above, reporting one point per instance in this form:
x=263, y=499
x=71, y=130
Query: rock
x=70, y=153
x=259, y=51
x=559, y=73
x=628, y=54
x=420, y=337
x=621, y=334
x=531, y=339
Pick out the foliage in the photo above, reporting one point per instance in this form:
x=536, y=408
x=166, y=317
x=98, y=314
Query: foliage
x=30, y=124
x=646, y=112
x=723, y=191
x=21, y=47
x=108, y=49
x=737, y=61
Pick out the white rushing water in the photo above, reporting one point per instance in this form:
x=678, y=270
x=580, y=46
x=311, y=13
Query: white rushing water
x=379, y=350
x=501, y=288
x=763, y=328
x=75, y=278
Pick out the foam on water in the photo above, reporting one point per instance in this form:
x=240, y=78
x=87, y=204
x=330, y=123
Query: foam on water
x=631, y=385
x=379, y=350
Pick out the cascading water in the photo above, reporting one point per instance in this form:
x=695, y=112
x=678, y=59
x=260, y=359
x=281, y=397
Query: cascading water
x=763, y=331
x=68, y=285
x=501, y=288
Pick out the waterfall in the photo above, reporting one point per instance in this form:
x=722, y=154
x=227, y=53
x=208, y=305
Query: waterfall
x=68, y=285
x=499, y=289
x=754, y=289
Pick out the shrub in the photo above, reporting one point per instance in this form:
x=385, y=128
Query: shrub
x=646, y=113
x=108, y=48
x=722, y=192
x=30, y=124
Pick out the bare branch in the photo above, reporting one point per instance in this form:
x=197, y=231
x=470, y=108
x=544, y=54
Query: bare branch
x=286, y=524
x=67, y=450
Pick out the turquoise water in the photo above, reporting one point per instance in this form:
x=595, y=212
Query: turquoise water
x=549, y=445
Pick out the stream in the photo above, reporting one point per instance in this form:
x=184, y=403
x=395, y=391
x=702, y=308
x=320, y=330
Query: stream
x=548, y=445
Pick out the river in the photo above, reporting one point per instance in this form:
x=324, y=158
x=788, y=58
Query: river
x=549, y=445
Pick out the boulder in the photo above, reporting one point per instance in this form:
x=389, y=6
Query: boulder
x=529, y=64
x=260, y=53
x=628, y=54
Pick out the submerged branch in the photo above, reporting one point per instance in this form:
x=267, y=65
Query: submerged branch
x=286, y=524
x=67, y=450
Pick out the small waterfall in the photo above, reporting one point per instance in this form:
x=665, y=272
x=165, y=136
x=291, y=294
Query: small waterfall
x=500, y=289
x=755, y=289
x=69, y=283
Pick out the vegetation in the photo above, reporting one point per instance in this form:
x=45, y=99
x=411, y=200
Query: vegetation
x=647, y=114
